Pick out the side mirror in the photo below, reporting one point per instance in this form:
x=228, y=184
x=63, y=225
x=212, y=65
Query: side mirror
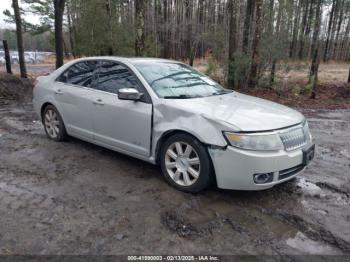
x=129, y=94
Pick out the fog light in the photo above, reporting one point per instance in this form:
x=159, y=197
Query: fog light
x=263, y=178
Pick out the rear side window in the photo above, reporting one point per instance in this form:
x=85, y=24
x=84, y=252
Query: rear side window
x=81, y=74
x=113, y=76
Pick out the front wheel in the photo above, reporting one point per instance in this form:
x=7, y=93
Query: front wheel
x=185, y=163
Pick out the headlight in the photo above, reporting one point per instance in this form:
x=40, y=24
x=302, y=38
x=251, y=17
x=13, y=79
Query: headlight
x=260, y=142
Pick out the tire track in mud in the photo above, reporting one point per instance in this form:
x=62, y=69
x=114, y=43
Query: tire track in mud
x=311, y=230
x=178, y=221
x=178, y=224
x=333, y=188
x=314, y=230
x=16, y=196
x=194, y=220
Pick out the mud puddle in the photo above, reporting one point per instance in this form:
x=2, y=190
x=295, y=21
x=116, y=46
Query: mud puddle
x=305, y=245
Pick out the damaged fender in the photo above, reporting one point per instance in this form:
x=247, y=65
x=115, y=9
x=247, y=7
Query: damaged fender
x=167, y=117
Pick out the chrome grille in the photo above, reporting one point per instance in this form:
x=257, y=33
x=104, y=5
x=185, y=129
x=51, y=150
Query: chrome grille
x=293, y=139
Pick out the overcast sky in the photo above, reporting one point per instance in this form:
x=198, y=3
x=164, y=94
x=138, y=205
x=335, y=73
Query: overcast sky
x=7, y=4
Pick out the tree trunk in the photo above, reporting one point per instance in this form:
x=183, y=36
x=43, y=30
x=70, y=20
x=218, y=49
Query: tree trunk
x=253, y=77
x=271, y=18
x=313, y=77
x=340, y=21
x=71, y=37
x=330, y=23
x=247, y=24
x=59, y=9
x=165, y=31
x=7, y=57
x=295, y=30
x=200, y=27
x=140, y=14
x=271, y=37
x=110, y=49
x=189, y=41
x=273, y=72
x=343, y=54
x=334, y=26
x=159, y=27
x=232, y=44
x=308, y=30
x=18, y=20
x=303, y=29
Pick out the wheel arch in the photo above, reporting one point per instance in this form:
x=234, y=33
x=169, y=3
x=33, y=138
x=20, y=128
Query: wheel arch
x=42, y=109
x=170, y=133
x=44, y=105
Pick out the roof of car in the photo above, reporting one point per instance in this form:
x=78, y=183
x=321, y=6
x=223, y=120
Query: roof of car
x=132, y=60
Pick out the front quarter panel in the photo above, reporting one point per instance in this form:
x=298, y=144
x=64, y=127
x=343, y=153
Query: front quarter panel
x=167, y=117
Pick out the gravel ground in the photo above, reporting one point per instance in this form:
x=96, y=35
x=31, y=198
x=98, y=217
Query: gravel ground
x=78, y=198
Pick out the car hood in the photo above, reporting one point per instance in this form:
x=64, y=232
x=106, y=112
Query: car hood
x=241, y=112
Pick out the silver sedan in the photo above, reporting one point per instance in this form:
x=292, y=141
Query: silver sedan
x=167, y=113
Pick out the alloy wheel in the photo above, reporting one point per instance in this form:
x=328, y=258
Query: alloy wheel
x=52, y=123
x=182, y=163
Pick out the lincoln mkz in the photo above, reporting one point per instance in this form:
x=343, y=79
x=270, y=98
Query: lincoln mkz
x=166, y=113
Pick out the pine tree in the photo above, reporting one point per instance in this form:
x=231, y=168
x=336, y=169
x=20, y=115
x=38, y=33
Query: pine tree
x=253, y=77
x=19, y=38
x=59, y=10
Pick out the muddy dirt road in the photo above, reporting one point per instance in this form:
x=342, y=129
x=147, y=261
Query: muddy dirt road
x=77, y=198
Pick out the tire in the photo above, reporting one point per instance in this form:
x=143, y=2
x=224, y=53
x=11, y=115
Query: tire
x=53, y=124
x=189, y=170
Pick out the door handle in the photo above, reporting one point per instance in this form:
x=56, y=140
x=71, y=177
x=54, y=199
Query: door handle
x=58, y=92
x=98, y=102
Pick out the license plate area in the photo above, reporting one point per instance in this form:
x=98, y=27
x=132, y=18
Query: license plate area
x=308, y=155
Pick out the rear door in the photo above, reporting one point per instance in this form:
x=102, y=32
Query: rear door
x=73, y=92
x=124, y=125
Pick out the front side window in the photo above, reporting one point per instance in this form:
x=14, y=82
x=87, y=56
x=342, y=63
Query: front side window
x=81, y=73
x=175, y=80
x=113, y=76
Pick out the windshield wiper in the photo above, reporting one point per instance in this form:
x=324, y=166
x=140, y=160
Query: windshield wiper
x=190, y=78
x=169, y=76
x=188, y=85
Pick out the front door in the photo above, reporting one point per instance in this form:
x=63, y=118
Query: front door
x=123, y=125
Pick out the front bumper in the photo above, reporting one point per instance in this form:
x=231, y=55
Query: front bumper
x=235, y=168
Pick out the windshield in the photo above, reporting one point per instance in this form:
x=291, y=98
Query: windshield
x=174, y=80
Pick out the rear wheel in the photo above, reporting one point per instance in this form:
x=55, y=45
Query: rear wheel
x=53, y=124
x=185, y=163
